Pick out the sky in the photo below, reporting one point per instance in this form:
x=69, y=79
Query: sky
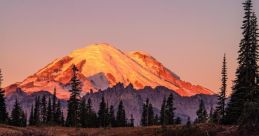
x=190, y=38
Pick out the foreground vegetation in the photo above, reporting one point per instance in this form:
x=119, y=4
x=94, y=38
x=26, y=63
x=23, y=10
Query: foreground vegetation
x=178, y=130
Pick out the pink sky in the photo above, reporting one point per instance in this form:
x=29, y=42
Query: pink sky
x=188, y=37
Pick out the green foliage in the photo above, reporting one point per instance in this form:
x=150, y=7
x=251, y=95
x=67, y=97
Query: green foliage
x=147, y=118
x=121, y=120
x=18, y=117
x=74, y=100
x=3, y=112
x=202, y=114
x=103, y=116
x=246, y=74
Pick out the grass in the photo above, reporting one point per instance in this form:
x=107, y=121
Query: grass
x=197, y=130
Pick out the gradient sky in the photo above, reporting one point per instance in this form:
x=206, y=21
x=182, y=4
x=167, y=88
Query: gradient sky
x=189, y=37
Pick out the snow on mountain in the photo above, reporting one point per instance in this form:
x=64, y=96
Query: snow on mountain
x=102, y=66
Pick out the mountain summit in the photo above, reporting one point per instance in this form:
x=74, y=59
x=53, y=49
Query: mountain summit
x=102, y=66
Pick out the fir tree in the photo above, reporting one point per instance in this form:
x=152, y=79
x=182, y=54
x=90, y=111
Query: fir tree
x=131, y=121
x=54, y=104
x=144, y=117
x=74, y=100
x=188, y=123
x=150, y=115
x=163, y=120
x=220, y=108
x=102, y=114
x=156, y=120
x=112, y=119
x=83, y=113
x=170, y=109
x=36, y=115
x=3, y=112
x=43, y=110
x=121, y=116
x=49, y=113
x=58, y=114
x=17, y=116
x=178, y=120
x=246, y=73
x=31, y=119
x=202, y=115
x=92, y=120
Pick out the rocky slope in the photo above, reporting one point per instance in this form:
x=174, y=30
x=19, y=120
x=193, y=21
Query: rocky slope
x=102, y=66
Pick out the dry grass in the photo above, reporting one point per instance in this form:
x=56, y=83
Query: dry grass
x=200, y=130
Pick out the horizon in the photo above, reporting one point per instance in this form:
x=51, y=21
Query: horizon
x=36, y=33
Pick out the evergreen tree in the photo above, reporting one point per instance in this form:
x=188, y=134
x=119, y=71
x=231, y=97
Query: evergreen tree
x=220, y=108
x=17, y=115
x=163, y=120
x=3, y=112
x=83, y=113
x=112, y=119
x=144, y=117
x=49, y=113
x=102, y=114
x=58, y=114
x=202, y=115
x=74, y=100
x=156, y=120
x=170, y=109
x=249, y=119
x=121, y=116
x=36, y=115
x=247, y=70
x=31, y=119
x=178, y=120
x=188, y=123
x=43, y=110
x=150, y=115
x=54, y=104
x=131, y=121
x=92, y=120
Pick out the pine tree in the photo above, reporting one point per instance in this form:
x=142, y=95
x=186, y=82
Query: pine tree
x=178, y=120
x=58, y=114
x=150, y=115
x=3, y=112
x=247, y=70
x=144, y=117
x=156, y=120
x=112, y=119
x=170, y=109
x=121, y=116
x=17, y=115
x=36, y=115
x=220, y=108
x=163, y=118
x=83, y=113
x=49, y=113
x=92, y=120
x=131, y=121
x=188, y=123
x=43, y=110
x=202, y=115
x=249, y=119
x=102, y=114
x=74, y=100
x=31, y=119
x=54, y=103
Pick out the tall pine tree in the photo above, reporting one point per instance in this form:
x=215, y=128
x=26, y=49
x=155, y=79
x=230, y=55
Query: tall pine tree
x=121, y=116
x=163, y=118
x=18, y=117
x=220, y=109
x=103, y=114
x=170, y=109
x=3, y=112
x=74, y=100
x=202, y=114
x=247, y=70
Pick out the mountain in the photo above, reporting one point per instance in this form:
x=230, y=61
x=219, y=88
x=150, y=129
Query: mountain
x=133, y=100
x=102, y=66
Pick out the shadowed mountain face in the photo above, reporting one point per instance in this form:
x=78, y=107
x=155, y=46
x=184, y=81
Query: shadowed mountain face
x=102, y=66
x=132, y=99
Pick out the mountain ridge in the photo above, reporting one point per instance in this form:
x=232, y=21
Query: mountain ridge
x=102, y=66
